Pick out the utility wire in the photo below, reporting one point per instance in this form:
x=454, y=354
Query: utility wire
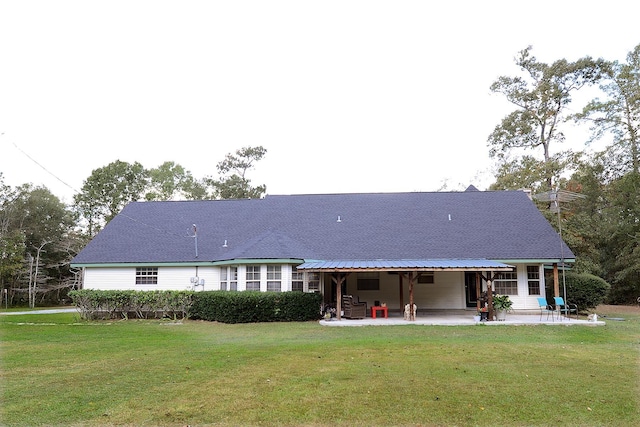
x=78, y=192
x=42, y=167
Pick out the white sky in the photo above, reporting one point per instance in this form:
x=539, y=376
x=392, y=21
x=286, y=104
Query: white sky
x=346, y=96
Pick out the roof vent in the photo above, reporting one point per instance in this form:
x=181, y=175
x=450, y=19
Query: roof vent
x=339, y=219
x=225, y=244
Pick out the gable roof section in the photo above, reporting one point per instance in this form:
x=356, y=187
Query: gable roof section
x=500, y=225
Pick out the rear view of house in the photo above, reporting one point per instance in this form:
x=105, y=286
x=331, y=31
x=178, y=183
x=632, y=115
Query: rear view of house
x=437, y=250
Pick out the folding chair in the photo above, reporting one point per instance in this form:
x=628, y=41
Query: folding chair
x=565, y=309
x=545, y=307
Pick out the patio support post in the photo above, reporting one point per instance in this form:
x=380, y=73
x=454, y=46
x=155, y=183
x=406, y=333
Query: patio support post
x=411, y=276
x=556, y=280
x=338, y=279
x=489, y=279
x=478, y=290
x=490, y=296
x=401, y=286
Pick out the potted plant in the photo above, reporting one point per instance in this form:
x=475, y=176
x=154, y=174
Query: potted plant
x=482, y=313
x=501, y=303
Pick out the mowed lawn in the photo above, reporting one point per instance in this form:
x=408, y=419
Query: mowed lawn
x=59, y=371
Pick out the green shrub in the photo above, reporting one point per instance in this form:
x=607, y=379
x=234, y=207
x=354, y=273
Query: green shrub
x=624, y=291
x=113, y=304
x=219, y=306
x=248, y=307
x=586, y=290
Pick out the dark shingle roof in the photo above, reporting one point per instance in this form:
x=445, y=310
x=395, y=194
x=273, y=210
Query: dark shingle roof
x=500, y=225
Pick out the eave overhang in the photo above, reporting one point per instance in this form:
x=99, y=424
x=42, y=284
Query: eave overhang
x=237, y=261
x=346, y=266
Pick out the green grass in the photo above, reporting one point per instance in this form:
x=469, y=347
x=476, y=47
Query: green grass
x=57, y=370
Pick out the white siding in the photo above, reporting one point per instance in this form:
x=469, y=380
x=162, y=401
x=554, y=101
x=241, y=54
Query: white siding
x=179, y=278
x=174, y=278
x=523, y=300
x=110, y=278
x=447, y=291
x=169, y=278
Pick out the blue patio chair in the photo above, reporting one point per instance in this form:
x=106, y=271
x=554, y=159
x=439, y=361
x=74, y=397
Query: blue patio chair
x=545, y=307
x=565, y=309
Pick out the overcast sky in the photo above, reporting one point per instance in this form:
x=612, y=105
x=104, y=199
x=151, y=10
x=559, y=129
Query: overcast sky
x=346, y=96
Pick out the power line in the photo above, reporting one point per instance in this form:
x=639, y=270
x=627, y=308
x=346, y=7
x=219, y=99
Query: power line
x=42, y=167
x=78, y=192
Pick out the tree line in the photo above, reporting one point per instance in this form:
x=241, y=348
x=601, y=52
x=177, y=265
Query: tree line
x=600, y=220
x=39, y=235
x=599, y=215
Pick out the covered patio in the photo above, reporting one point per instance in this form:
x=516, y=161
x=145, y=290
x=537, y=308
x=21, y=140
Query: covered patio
x=408, y=272
x=481, y=272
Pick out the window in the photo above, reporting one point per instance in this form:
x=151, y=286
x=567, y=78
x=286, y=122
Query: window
x=233, y=278
x=146, y=276
x=426, y=277
x=368, y=281
x=314, y=282
x=253, y=278
x=533, y=279
x=274, y=278
x=297, y=279
x=224, y=280
x=506, y=283
x=229, y=278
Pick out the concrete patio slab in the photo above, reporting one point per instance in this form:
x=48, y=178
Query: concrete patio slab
x=438, y=318
x=37, y=311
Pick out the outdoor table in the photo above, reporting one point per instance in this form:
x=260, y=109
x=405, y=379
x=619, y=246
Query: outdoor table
x=377, y=308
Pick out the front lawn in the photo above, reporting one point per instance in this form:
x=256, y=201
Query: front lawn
x=57, y=370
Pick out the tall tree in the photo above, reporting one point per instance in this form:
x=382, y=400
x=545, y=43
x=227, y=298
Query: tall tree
x=532, y=173
x=12, y=238
x=603, y=228
x=585, y=225
x=108, y=190
x=234, y=184
x=622, y=251
x=44, y=227
x=619, y=113
x=171, y=180
x=43, y=217
x=541, y=96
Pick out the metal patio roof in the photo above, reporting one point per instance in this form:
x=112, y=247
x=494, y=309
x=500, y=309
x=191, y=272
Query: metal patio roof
x=405, y=265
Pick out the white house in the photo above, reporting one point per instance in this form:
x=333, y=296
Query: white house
x=437, y=250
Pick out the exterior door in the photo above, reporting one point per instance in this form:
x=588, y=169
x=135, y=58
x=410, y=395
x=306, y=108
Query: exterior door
x=470, y=289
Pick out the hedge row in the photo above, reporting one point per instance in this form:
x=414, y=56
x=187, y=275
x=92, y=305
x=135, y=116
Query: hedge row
x=248, y=307
x=219, y=306
x=95, y=304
